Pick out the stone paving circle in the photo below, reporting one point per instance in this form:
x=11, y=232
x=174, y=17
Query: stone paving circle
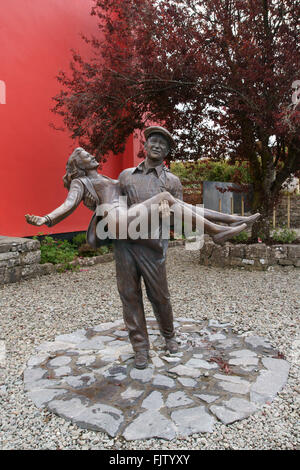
x=88, y=377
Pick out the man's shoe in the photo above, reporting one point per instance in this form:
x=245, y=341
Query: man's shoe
x=171, y=345
x=141, y=359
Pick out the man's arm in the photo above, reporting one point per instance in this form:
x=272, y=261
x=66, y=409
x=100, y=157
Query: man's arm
x=176, y=188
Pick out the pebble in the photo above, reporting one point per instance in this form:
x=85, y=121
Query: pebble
x=265, y=303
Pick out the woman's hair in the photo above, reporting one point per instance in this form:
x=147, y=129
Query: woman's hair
x=73, y=170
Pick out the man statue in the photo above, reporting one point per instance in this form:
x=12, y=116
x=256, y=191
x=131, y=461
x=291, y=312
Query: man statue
x=135, y=261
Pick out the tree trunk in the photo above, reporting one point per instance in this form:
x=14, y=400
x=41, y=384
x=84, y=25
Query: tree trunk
x=262, y=203
x=261, y=228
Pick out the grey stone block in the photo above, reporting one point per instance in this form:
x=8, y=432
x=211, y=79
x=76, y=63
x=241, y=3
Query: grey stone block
x=240, y=388
x=9, y=256
x=163, y=381
x=12, y=275
x=30, y=257
x=144, y=375
x=98, y=417
x=93, y=343
x=257, y=341
x=279, y=251
x=207, y=398
x=80, y=381
x=86, y=360
x=74, y=338
x=185, y=371
x=63, y=371
x=50, y=346
x=41, y=384
x=286, y=262
x=193, y=420
x=200, y=363
x=270, y=381
x=237, y=251
x=37, y=360
x=29, y=271
x=131, y=393
x=187, y=382
x=148, y=425
x=41, y=397
x=243, y=353
x=60, y=361
x=232, y=410
x=32, y=375
x=154, y=401
x=257, y=250
x=294, y=251
x=178, y=399
x=244, y=361
x=157, y=362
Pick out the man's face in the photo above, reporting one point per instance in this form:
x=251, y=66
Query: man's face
x=157, y=147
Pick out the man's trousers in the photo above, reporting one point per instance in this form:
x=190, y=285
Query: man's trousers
x=133, y=262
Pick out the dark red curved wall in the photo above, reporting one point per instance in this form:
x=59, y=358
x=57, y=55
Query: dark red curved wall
x=35, y=41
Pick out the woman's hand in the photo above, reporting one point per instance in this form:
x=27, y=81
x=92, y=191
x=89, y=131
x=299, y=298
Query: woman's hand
x=35, y=220
x=166, y=201
x=164, y=209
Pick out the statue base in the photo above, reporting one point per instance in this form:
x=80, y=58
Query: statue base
x=88, y=377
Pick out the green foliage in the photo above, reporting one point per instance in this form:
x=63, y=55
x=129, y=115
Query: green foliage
x=241, y=237
x=63, y=251
x=105, y=249
x=206, y=170
x=79, y=239
x=57, y=252
x=284, y=235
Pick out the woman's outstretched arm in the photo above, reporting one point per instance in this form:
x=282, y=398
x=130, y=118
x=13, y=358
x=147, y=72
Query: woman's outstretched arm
x=72, y=201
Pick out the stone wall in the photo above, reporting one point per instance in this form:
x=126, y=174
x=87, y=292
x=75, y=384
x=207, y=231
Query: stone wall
x=282, y=211
x=19, y=259
x=257, y=256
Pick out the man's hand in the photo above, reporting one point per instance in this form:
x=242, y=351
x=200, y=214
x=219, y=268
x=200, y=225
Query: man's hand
x=35, y=220
x=164, y=209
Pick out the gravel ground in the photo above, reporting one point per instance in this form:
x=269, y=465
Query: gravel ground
x=266, y=303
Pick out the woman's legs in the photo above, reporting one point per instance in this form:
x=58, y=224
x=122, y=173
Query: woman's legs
x=215, y=216
x=219, y=233
x=144, y=211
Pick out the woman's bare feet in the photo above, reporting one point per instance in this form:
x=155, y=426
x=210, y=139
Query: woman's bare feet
x=225, y=235
x=246, y=220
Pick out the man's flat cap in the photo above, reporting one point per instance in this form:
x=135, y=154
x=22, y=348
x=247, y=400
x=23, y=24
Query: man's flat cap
x=160, y=130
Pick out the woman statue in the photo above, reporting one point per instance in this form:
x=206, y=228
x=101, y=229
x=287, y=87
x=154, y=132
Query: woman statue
x=85, y=184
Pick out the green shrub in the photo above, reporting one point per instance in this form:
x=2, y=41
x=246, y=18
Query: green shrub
x=104, y=250
x=241, y=237
x=79, y=239
x=57, y=251
x=206, y=170
x=284, y=235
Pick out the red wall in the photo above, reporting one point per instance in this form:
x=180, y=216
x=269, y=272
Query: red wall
x=36, y=37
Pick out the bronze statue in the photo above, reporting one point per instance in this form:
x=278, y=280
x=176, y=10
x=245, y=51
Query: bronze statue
x=149, y=185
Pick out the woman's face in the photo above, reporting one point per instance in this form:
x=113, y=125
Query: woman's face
x=87, y=161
